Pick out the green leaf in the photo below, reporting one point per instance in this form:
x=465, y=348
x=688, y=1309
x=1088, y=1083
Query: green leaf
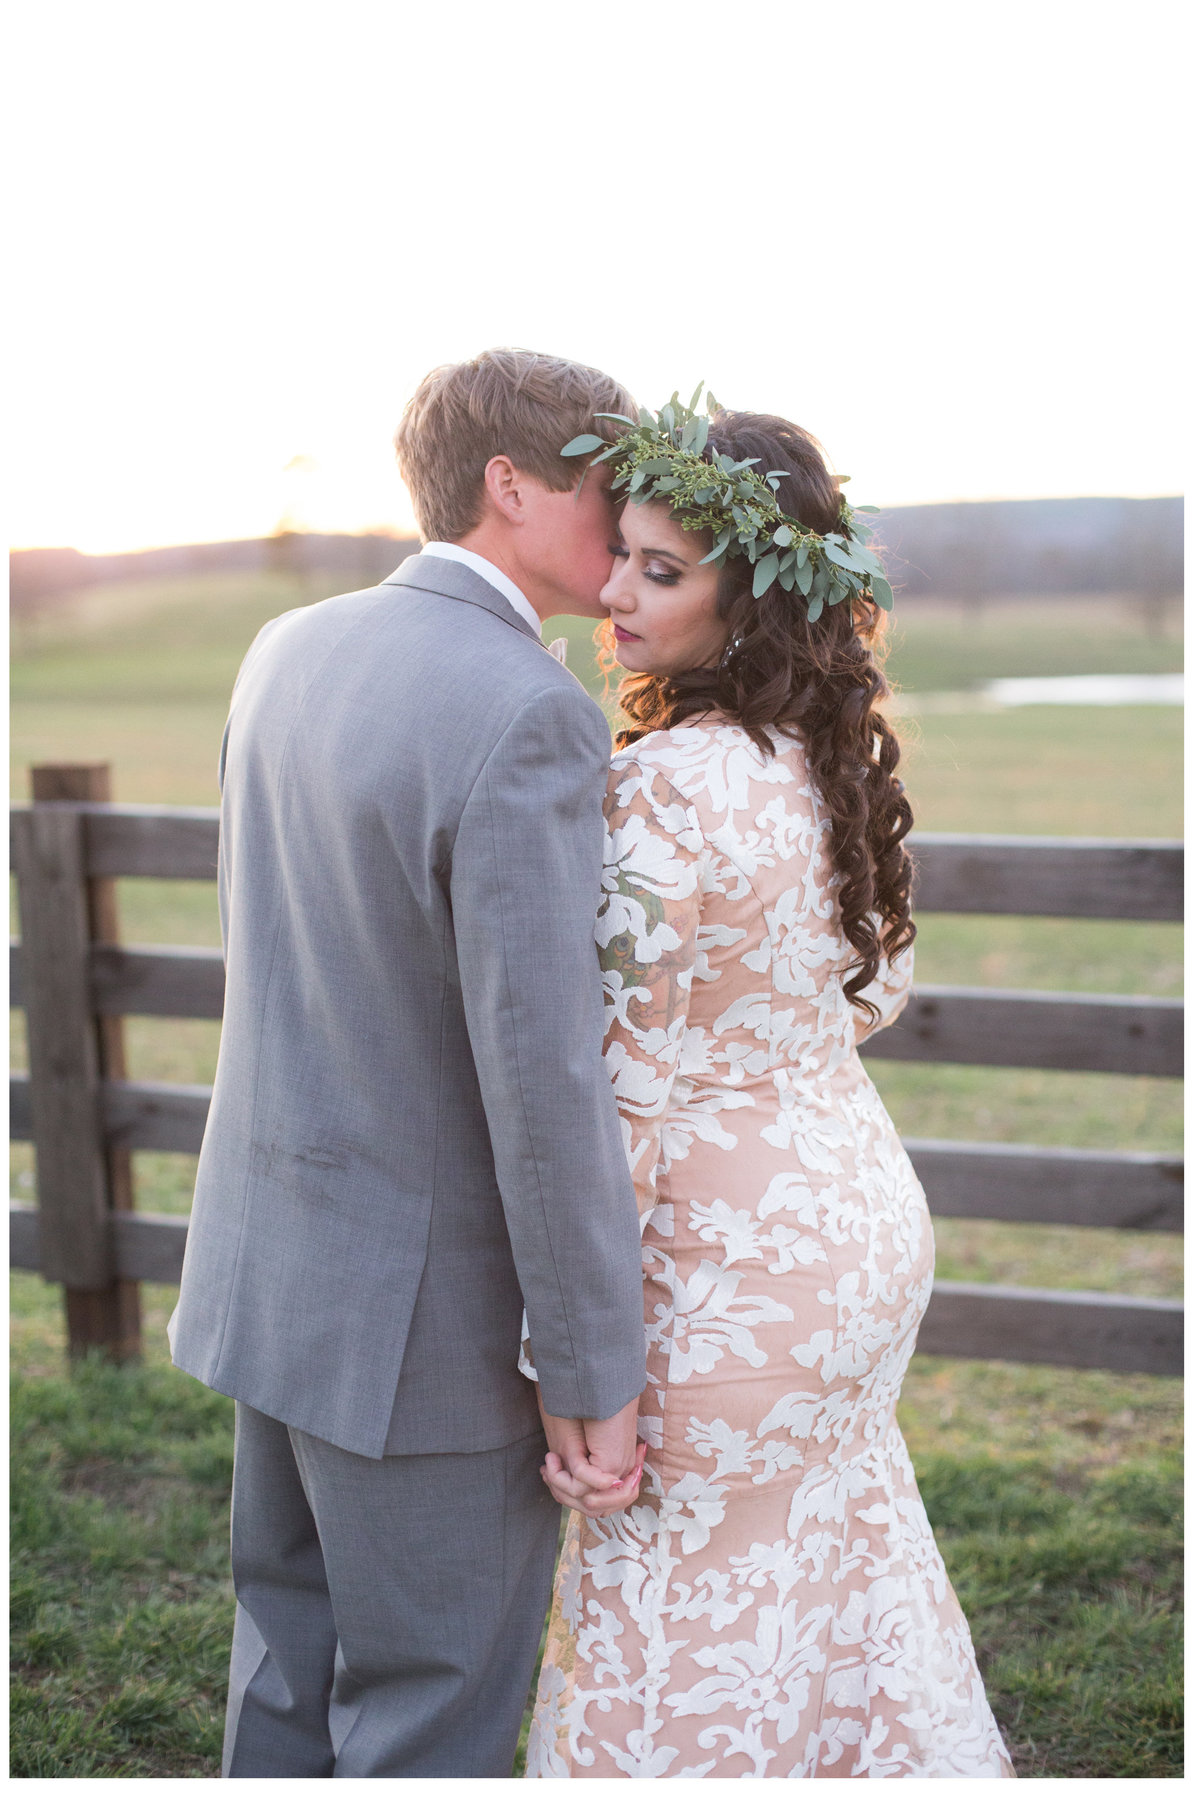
x=668, y=416
x=620, y=418
x=718, y=547
x=712, y=405
x=695, y=397
x=783, y=536
x=701, y=436
x=881, y=592
x=765, y=573
x=866, y=508
x=656, y=465
x=582, y=445
x=816, y=606
x=646, y=418
x=804, y=574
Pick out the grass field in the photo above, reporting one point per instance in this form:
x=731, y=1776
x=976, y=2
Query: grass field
x=1055, y=1494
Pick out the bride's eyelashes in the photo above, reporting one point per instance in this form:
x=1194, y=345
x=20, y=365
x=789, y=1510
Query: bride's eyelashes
x=662, y=577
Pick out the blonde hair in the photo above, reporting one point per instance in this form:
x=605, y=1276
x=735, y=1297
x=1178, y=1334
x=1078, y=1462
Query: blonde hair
x=510, y=402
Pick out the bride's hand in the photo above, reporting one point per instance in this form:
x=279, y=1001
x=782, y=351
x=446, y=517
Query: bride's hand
x=576, y=1495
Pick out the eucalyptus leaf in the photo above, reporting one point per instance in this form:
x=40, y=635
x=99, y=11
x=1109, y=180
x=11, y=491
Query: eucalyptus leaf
x=815, y=607
x=765, y=572
x=717, y=549
x=804, y=575
x=783, y=535
x=881, y=592
x=582, y=445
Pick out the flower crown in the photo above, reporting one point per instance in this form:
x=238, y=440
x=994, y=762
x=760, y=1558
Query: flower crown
x=661, y=456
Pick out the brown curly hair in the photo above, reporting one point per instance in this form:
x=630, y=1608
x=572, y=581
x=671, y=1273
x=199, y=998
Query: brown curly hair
x=820, y=684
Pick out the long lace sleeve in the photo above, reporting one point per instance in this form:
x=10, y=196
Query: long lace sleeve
x=647, y=933
x=889, y=991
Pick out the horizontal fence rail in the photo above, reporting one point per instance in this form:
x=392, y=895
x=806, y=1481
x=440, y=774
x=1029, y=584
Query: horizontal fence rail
x=994, y=1181
x=1070, y=1032
x=1015, y=876
x=973, y=1322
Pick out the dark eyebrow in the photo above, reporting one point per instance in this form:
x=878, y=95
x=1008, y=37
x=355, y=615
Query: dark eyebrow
x=667, y=556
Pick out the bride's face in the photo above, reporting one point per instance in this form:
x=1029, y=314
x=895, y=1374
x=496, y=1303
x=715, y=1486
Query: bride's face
x=663, y=604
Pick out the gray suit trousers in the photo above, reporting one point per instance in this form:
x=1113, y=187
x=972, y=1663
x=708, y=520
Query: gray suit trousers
x=389, y=1611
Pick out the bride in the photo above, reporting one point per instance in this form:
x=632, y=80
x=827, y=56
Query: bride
x=771, y=1602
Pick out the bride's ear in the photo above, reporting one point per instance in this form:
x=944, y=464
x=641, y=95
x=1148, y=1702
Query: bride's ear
x=502, y=483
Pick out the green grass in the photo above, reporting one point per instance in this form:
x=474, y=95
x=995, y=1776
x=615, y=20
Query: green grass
x=121, y=1597
x=1056, y=1497
x=939, y=646
x=1054, y=1493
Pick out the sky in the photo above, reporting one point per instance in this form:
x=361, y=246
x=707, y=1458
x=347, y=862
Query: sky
x=943, y=237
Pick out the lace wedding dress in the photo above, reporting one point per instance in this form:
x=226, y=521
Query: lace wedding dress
x=774, y=1604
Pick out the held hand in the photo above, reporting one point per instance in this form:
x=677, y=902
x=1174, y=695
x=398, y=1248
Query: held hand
x=612, y=1443
x=596, y=1454
x=577, y=1496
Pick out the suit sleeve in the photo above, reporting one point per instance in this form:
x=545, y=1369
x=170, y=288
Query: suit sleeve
x=524, y=883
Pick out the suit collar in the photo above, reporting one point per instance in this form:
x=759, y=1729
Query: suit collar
x=452, y=580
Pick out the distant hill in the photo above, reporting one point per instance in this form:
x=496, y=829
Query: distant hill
x=970, y=548
x=39, y=576
x=1012, y=546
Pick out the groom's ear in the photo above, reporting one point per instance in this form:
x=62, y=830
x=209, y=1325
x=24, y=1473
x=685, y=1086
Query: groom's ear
x=503, y=483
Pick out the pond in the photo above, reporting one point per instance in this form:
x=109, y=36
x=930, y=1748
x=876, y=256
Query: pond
x=1059, y=689
x=1088, y=689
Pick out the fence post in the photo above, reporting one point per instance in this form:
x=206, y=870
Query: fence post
x=81, y=1180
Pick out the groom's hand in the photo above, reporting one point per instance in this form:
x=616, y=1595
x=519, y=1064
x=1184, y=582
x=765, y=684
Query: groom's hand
x=612, y=1443
x=594, y=1464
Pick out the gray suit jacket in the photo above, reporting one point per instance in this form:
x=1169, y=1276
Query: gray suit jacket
x=411, y=1128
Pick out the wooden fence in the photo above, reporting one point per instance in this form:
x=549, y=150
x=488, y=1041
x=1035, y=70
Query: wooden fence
x=84, y=1117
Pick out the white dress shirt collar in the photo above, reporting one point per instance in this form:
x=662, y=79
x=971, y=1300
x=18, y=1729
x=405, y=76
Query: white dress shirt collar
x=454, y=552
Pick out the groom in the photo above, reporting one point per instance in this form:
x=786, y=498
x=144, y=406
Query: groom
x=412, y=1134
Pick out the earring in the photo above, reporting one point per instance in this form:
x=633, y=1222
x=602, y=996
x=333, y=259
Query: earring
x=730, y=650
